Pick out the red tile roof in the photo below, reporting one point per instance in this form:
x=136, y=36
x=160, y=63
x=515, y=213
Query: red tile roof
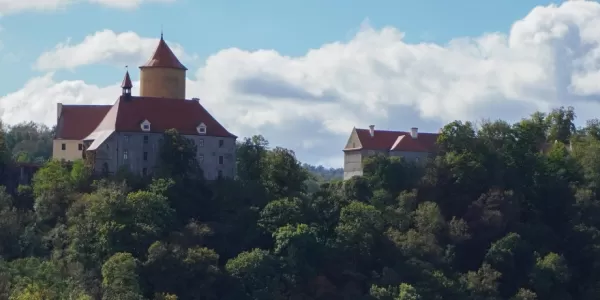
x=163, y=57
x=78, y=121
x=127, y=81
x=396, y=141
x=163, y=114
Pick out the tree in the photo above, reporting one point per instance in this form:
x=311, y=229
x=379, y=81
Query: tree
x=52, y=188
x=120, y=279
x=284, y=175
x=258, y=273
x=561, y=124
x=177, y=164
x=177, y=157
x=251, y=155
x=113, y=220
x=190, y=273
x=4, y=157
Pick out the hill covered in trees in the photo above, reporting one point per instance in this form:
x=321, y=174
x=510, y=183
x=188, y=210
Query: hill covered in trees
x=323, y=173
x=504, y=211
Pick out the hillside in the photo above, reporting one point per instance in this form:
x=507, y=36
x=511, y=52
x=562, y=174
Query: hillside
x=325, y=174
x=490, y=217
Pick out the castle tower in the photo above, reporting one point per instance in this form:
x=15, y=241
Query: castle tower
x=163, y=76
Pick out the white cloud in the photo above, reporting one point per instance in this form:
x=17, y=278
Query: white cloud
x=103, y=47
x=310, y=103
x=36, y=101
x=16, y=6
x=126, y=4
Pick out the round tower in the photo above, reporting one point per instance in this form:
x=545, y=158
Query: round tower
x=163, y=76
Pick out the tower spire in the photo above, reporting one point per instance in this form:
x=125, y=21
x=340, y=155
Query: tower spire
x=161, y=32
x=126, y=85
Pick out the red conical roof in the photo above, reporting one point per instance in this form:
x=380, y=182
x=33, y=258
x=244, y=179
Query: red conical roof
x=163, y=58
x=126, y=81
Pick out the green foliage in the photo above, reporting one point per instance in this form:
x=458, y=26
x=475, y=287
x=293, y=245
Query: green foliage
x=28, y=142
x=503, y=211
x=402, y=292
x=4, y=150
x=177, y=157
x=120, y=278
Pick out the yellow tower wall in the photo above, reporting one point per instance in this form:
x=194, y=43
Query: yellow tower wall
x=162, y=83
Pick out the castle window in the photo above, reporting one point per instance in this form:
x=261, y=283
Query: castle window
x=64, y=146
x=201, y=128
x=145, y=139
x=145, y=125
x=144, y=171
x=220, y=160
x=201, y=143
x=80, y=147
x=201, y=158
x=126, y=138
x=220, y=174
x=221, y=143
x=145, y=155
x=125, y=154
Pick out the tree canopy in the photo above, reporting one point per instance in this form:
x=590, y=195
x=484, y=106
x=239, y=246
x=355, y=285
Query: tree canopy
x=501, y=211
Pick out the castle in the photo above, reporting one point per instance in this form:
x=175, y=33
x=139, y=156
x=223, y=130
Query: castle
x=364, y=143
x=127, y=134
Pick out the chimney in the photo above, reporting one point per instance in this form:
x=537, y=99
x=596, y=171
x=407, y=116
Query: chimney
x=414, y=132
x=196, y=99
x=372, y=130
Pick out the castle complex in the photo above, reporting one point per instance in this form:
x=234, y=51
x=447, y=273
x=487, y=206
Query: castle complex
x=127, y=134
x=364, y=143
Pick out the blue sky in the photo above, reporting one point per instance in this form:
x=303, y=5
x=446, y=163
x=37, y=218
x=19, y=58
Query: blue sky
x=303, y=73
x=205, y=27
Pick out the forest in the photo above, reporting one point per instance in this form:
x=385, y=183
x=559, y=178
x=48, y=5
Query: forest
x=501, y=211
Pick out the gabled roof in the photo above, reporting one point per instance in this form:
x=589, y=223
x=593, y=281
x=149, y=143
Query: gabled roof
x=396, y=141
x=183, y=115
x=78, y=121
x=163, y=57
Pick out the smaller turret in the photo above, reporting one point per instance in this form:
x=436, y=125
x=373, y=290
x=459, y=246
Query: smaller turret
x=126, y=85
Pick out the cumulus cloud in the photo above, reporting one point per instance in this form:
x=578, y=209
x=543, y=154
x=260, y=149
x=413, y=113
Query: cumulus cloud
x=37, y=100
x=310, y=103
x=105, y=47
x=16, y=6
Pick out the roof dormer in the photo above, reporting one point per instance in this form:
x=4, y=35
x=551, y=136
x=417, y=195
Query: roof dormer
x=201, y=128
x=145, y=125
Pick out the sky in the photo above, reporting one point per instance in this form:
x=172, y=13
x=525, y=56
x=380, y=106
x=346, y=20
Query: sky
x=304, y=73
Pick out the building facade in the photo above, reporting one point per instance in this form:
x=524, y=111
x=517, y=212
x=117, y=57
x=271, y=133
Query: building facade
x=128, y=133
x=73, y=124
x=364, y=143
